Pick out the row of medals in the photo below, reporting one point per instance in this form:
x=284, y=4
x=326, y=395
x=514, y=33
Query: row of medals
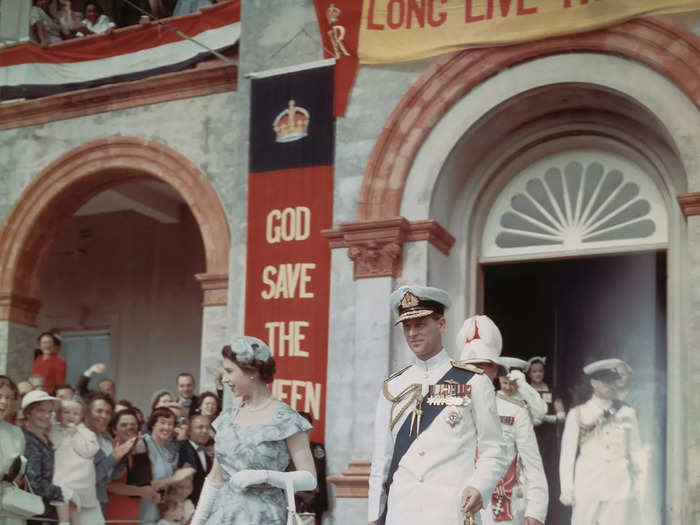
x=450, y=394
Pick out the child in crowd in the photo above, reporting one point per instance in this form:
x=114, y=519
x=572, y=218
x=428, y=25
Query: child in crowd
x=75, y=447
x=175, y=508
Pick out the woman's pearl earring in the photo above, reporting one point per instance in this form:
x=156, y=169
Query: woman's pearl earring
x=251, y=377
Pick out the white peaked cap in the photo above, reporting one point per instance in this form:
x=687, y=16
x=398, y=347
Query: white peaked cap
x=512, y=362
x=479, y=340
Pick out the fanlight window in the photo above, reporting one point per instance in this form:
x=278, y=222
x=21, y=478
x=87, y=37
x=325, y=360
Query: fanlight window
x=577, y=201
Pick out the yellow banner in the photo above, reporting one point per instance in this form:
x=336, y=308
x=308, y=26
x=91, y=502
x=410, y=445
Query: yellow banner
x=400, y=30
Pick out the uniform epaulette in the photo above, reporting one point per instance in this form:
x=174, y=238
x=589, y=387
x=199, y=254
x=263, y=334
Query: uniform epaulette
x=518, y=402
x=467, y=366
x=397, y=374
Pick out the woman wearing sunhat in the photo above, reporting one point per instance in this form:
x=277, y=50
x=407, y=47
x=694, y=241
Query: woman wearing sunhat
x=38, y=406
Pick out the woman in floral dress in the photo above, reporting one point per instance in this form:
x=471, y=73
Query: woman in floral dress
x=254, y=443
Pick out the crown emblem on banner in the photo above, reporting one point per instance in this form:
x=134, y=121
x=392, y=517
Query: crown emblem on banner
x=332, y=14
x=292, y=123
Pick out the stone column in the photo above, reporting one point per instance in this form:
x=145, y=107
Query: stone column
x=688, y=383
x=17, y=342
x=214, y=326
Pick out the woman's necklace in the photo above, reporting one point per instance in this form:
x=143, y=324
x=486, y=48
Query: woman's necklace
x=264, y=404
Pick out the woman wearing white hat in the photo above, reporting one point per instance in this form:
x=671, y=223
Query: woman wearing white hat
x=548, y=431
x=38, y=406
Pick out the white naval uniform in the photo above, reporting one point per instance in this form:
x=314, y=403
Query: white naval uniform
x=439, y=464
x=530, y=494
x=599, y=481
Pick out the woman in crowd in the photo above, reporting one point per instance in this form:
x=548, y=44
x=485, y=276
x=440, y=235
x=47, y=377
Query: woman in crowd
x=75, y=447
x=548, y=432
x=162, y=398
x=11, y=441
x=254, y=443
x=95, y=22
x=209, y=405
x=132, y=482
x=46, y=30
x=49, y=364
x=38, y=406
x=162, y=453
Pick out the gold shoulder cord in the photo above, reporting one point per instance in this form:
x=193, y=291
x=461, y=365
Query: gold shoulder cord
x=413, y=392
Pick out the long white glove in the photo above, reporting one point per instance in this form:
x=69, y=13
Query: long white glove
x=301, y=479
x=535, y=404
x=206, y=501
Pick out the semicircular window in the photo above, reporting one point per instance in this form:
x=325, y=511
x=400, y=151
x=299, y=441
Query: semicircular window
x=578, y=201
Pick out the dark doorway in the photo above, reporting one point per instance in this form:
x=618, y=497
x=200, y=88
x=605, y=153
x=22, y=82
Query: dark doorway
x=577, y=311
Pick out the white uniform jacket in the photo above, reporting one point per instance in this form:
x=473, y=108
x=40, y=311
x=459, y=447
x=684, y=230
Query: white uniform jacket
x=439, y=464
x=610, y=461
x=531, y=494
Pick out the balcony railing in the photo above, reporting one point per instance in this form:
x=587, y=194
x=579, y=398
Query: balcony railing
x=28, y=71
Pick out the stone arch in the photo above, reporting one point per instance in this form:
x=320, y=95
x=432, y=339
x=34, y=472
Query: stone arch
x=657, y=43
x=65, y=184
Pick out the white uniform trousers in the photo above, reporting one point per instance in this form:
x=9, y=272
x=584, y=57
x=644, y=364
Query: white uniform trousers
x=602, y=513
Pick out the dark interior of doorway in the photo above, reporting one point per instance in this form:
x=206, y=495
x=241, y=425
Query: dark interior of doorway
x=576, y=311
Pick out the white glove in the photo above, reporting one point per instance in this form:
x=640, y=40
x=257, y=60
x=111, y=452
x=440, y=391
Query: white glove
x=517, y=376
x=567, y=499
x=206, y=501
x=301, y=479
x=97, y=368
x=245, y=478
x=561, y=416
x=551, y=418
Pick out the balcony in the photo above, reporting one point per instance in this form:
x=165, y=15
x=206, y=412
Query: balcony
x=168, y=59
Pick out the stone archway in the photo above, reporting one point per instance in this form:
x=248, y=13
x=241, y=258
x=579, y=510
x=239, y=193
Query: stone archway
x=661, y=45
x=59, y=190
x=55, y=195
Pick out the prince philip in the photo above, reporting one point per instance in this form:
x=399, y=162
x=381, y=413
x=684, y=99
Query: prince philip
x=429, y=418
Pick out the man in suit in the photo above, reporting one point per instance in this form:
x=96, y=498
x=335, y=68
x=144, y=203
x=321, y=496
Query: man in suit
x=185, y=392
x=192, y=452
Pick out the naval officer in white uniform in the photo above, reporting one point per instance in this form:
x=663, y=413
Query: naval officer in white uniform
x=521, y=497
x=429, y=418
x=602, y=461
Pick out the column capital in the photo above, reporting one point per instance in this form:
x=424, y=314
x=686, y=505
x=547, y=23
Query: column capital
x=689, y=203
x=214, y=288
x=19, y=309
x=376, y=246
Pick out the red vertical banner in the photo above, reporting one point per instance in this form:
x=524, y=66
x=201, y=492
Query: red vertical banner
x=290, y=200
x=339, y=24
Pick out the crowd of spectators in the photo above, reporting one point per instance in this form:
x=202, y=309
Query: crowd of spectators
x=93, y=457
x=53, y=21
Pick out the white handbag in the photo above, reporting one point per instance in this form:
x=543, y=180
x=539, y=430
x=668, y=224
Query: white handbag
x=14, y=500
x=294, y=517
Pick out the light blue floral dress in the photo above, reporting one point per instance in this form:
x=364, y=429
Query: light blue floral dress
x=260, y=446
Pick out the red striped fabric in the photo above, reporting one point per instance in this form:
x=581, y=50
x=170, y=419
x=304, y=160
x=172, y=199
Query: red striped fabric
x=123, y=41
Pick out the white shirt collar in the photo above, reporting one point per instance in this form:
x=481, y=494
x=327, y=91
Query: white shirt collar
x=434, y=362
x=601, y=403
